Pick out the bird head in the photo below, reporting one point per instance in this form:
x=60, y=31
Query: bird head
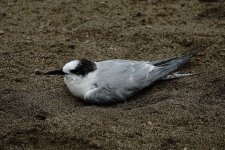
x=76, y=67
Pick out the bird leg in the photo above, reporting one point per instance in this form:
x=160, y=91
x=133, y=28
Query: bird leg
x=176, y=75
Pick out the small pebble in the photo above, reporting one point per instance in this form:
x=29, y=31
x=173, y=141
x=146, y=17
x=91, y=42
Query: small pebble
x=71, y=46
x=1, y=32
x=38, y=72
x=41, y=116
x=150, y=123
x=2, y=14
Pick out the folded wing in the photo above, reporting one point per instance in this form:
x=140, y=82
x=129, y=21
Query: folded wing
x=117, y=80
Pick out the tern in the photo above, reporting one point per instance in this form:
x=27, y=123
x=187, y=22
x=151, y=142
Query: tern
x=113, y=81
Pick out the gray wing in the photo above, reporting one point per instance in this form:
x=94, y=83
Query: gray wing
x=117, y=80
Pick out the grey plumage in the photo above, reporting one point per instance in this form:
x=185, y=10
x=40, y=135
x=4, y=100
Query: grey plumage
x=113, y=81
x=118, y=79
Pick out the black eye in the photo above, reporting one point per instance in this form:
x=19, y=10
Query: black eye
x=75, y=71
x=83, y=68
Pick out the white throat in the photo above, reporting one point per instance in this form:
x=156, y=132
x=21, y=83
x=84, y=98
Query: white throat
x=79, y=85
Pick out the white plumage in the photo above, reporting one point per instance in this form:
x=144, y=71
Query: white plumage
x=116, y=80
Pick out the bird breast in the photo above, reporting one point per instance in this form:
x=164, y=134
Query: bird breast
x=78, y=85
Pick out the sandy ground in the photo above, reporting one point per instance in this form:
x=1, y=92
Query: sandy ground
x=37, y=112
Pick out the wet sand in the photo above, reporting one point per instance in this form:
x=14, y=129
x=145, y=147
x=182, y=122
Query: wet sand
x=38, y=112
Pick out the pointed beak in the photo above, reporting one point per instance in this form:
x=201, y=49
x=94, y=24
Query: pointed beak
x=55, y=72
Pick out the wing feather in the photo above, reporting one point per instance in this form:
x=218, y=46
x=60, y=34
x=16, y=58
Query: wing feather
x=122, y=80
x=125, y=77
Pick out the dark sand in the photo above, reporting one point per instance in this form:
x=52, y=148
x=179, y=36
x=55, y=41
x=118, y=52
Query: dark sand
x=37, y=112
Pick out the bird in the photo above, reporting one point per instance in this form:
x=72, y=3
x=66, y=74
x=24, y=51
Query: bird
x=116, y=80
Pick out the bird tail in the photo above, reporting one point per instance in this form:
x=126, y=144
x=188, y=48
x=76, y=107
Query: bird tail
x=177, y=61
x=168, y=66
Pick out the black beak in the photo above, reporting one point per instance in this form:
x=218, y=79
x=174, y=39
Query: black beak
x=55, y=72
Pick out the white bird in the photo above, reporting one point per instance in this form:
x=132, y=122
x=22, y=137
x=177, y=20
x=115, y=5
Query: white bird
x=113, y=81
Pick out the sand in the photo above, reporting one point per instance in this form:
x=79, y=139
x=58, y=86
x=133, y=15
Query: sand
x=38, y=112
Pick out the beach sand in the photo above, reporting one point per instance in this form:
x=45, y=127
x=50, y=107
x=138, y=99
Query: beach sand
x=38, y=112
